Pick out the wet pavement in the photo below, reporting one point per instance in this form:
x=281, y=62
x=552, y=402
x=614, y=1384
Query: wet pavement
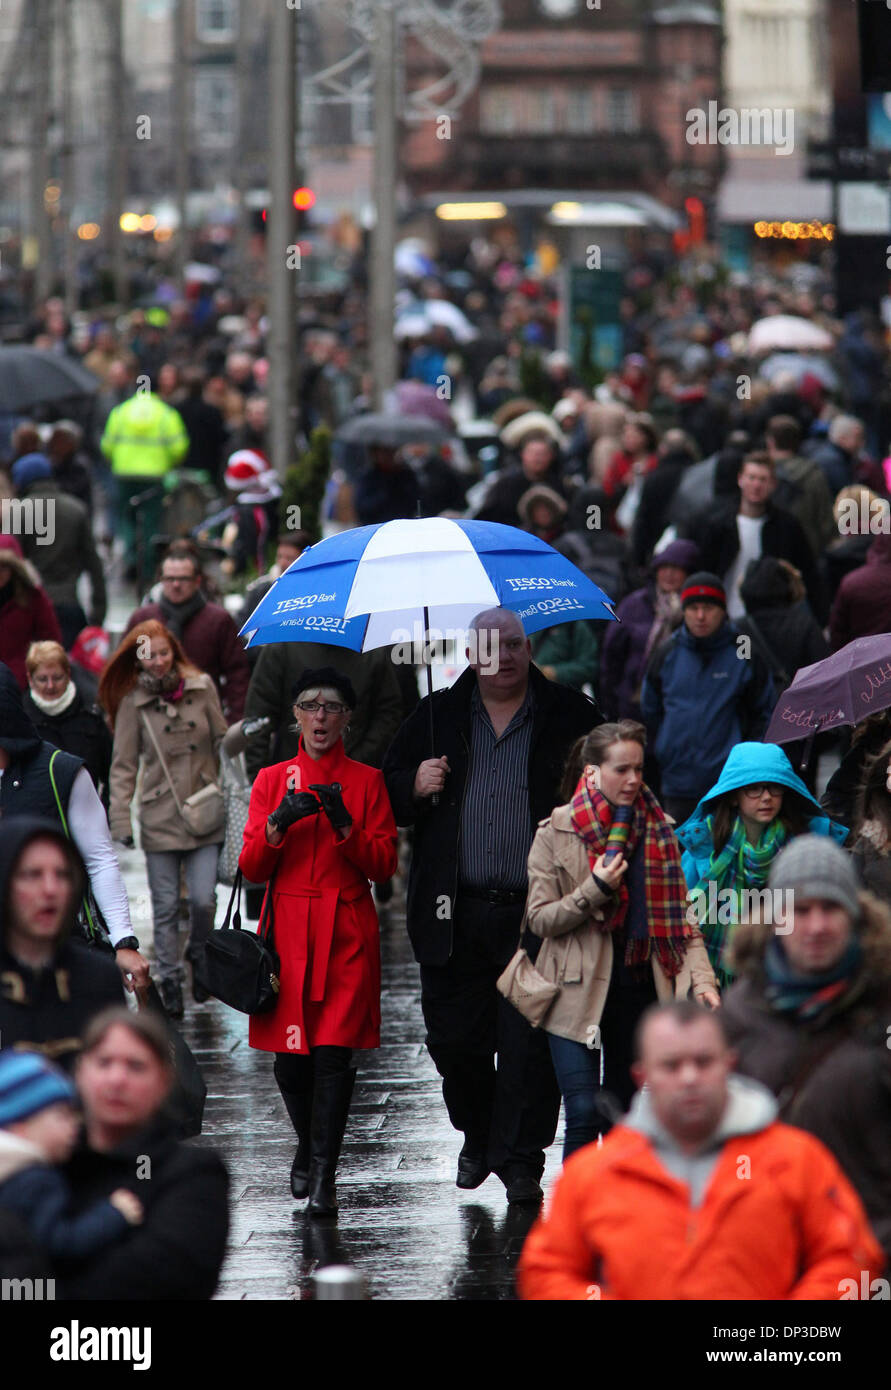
x=402, y=1221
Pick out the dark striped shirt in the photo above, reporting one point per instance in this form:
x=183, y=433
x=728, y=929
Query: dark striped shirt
x=496, y=827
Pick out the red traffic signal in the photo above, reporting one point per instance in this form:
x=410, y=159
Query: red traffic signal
x=303, y=199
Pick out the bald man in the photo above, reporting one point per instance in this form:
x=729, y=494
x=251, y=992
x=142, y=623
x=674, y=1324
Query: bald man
x=502, y=734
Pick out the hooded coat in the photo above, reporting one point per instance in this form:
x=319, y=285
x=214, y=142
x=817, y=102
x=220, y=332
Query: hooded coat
x=786, y=633
x=46, y=1008
x=832, y=1076
x=793, y=1230
x=26, y=616
x=747, y=763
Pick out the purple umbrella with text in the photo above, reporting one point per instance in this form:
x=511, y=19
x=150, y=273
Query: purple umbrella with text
x=844, y=688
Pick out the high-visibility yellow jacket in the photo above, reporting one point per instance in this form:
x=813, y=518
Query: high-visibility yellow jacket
x=144, y=437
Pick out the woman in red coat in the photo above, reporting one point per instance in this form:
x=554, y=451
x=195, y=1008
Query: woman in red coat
x=318, y=829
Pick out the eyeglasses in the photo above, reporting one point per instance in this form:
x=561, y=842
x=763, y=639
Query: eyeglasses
x=759, y=788
x=329, y=707
x=179, y=579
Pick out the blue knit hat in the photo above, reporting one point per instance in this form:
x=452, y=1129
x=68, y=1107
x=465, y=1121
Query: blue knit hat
x=28, y=1084
x=30, y=468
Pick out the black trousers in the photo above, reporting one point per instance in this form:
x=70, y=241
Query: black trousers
x=296, y=1075
x=510, y=1113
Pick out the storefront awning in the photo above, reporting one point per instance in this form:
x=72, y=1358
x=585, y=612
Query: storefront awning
x=752, y=199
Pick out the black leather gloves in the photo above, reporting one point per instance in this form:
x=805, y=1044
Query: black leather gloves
x=332, y=804
x=293, y=807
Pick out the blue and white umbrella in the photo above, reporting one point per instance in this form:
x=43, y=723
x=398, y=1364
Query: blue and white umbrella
x=376, y=586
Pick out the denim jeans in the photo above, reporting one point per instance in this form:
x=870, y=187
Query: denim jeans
x=163, y=871
x=577, y=1068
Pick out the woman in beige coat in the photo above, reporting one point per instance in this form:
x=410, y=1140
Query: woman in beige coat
x=607, y=893
x=149, y=688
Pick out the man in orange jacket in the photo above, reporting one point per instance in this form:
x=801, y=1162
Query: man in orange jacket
x=701, y=1193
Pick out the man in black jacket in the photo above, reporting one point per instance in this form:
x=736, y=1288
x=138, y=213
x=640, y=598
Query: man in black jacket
x=502, y=733
x=736, y=535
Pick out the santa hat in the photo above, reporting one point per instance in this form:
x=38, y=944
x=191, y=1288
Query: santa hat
x=91, y=649
x=244, y=468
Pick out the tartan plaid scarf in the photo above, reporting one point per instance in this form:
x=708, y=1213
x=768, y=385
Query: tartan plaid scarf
x=662, y=927
x=739, y=867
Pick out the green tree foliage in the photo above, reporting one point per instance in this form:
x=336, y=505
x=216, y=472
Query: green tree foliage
x=304, y=485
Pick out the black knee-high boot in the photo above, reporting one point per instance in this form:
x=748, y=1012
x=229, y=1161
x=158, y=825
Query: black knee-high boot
x=289, y=1073
x=334, y=1079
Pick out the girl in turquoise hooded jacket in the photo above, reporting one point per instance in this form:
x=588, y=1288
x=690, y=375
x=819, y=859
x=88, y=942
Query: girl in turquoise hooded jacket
x=739, y=827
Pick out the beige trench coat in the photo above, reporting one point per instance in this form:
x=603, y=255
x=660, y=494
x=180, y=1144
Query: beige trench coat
x=566, y=907
x=189, y=732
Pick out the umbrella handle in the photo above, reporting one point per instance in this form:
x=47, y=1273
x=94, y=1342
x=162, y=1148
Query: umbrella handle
x=427, y=665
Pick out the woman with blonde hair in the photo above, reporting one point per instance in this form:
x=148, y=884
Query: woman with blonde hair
x=62, y=716
x=166, y=718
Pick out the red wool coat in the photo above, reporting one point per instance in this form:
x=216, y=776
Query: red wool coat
x=325, y=922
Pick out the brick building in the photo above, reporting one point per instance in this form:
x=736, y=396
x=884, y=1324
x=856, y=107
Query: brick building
x=572, y=97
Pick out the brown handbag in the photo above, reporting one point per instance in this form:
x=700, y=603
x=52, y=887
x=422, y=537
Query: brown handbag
x=524, y=987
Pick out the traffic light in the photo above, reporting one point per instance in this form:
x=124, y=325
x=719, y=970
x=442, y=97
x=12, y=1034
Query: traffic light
x=695, y=210
x=303, y=199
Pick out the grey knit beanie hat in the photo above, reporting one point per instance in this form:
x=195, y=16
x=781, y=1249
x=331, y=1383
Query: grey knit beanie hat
x=814, y=866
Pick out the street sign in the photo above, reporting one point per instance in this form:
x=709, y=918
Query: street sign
x=595, y=329
x=864, y=209
x=827, y=160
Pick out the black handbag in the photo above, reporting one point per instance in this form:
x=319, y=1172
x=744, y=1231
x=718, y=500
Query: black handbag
x=241, y=968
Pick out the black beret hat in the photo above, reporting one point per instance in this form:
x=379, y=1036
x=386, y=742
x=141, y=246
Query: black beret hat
x=325, y=676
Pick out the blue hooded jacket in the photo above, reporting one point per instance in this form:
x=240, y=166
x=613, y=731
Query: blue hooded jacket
x=747, y=763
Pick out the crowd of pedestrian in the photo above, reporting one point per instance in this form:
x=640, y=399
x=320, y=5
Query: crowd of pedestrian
x=583, y=841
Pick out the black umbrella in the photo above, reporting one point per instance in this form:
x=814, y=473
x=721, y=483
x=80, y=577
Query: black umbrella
x=390, y=431
x=32, y=376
